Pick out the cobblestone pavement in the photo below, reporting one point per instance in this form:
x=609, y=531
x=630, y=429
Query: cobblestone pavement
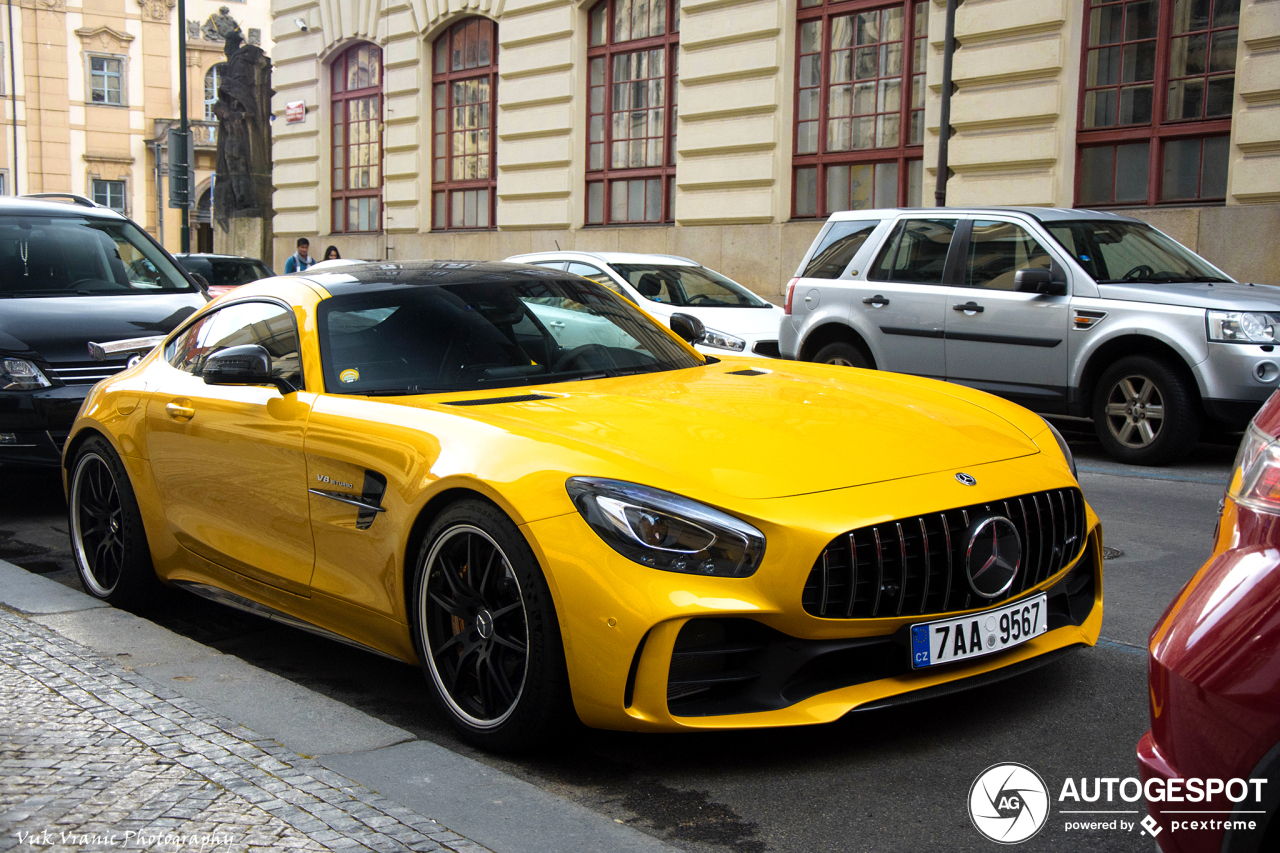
x=93, y=756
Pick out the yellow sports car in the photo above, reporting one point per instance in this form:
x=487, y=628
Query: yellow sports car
x=555, y=505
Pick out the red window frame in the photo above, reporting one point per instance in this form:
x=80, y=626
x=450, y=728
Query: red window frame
x=341, y=99
x=602, y=175
x=905, y=152
x=458, y=60
x=1160, y=130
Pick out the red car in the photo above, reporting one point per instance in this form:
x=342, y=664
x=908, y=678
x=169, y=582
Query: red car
x=1211, y=761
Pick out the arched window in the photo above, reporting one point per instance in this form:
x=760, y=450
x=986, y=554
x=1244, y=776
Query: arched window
x=357, y=139
x=859, y=124
x=633, y=56
x=464, y=97
x=212, y=78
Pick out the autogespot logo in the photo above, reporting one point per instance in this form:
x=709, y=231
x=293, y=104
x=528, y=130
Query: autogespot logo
x=1008, y=803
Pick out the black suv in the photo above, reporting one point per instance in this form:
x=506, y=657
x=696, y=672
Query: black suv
x=72, y=273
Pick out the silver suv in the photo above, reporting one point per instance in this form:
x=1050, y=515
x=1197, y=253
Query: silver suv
x=1068, y=312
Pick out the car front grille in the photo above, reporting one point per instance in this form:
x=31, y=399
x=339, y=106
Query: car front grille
x=917, y=565
x=769, y=349
x=86, y=372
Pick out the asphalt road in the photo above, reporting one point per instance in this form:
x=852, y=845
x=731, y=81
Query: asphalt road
x=884, y=781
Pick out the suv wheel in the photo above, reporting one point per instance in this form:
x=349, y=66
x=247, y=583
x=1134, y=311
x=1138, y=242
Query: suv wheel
x=843, y=354
x=1145, y=412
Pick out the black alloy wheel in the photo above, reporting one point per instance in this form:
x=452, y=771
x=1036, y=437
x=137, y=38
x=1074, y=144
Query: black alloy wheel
x=107, y=538
x=486, y=629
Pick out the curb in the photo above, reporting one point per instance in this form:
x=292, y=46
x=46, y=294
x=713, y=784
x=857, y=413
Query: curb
x=477, y=802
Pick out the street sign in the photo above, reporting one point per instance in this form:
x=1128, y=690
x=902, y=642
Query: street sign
x=181, y=156
x=295, y=112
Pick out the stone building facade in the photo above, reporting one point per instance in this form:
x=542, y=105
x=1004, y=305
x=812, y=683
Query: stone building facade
x=726, y=130
x=97, y=88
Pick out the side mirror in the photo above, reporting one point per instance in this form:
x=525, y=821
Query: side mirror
x=688, y=327
x=243, y=365
x=1038, y=280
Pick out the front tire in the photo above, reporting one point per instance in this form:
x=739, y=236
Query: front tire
x=108, y=541
x=843, y=354
x=486, y=632
x=1145, y=411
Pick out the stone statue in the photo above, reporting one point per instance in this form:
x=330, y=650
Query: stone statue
x=243, y=185
x=222, y=27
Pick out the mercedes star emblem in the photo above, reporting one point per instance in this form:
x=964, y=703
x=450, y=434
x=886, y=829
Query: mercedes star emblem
x=994, y=556
x=966, y=479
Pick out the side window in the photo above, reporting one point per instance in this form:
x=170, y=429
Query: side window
x=916, y=252
x=269, y=325
x=555, y=265
x=841, y=242
x=997, y=250
x=599, y=276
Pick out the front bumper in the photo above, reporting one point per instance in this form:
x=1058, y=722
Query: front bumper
x=1236, y=379
x=634, y=635
x=39, y=422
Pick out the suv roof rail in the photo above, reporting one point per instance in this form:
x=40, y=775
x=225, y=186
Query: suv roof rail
x=77, y=199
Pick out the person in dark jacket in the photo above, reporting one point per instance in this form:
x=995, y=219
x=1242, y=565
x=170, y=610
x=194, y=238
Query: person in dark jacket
x=300, y=260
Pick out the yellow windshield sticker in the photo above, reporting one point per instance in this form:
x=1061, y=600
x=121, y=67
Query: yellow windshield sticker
x=349, y=375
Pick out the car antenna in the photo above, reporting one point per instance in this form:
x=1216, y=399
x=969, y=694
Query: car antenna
x=557, y=242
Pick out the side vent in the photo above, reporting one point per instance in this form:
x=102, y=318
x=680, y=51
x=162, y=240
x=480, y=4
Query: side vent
x=750, y=371
x=488, y=401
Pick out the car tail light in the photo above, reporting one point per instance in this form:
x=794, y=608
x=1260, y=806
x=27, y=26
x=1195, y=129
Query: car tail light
x=791, y=291
x=1255, y=480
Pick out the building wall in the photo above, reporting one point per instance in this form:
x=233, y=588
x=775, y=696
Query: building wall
x=1014, y=112
x=65, y=141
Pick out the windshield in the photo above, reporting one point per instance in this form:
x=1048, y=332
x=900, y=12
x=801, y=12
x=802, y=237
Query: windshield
x=72, y=256
x=464, y=337
x=1113, y=252
x=694, y=286
x=226, y=272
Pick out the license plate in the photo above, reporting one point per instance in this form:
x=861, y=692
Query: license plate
x=951, y=640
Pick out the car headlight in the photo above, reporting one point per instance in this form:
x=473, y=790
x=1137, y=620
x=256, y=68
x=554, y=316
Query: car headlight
x=1255, y=479
x=1244, y=327
x=1066, y=451
x=18, y=374
x=664, y=531
x=721, y=340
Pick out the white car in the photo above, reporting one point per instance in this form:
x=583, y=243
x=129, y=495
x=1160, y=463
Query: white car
x=736, y=320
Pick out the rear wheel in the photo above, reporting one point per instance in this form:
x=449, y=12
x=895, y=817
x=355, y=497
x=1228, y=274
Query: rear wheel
x=843, y=354
x=1145, y=412
x=107, y=537
x=486, y=630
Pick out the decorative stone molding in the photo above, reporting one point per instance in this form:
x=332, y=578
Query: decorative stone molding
x=157, y=10
x=104, y=39
x=45, y=5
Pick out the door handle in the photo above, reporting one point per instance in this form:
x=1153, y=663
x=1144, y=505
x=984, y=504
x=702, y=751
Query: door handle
x=556, y=324
x=877, y=301
x=180, y=412
x=968, y=307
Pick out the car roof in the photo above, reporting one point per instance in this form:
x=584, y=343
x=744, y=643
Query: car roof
x=1042, y=214
x=605, y=257
x=71, y=206
x=384, y=275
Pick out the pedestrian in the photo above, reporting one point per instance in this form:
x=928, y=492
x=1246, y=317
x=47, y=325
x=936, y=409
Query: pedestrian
x=332, y=254
x=300, y=260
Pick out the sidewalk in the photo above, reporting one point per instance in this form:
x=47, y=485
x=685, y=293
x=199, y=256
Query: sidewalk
x=118, y=734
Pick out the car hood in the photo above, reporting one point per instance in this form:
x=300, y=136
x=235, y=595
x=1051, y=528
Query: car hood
x=1228, y=296
x=786, y=432
x=59, y=328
